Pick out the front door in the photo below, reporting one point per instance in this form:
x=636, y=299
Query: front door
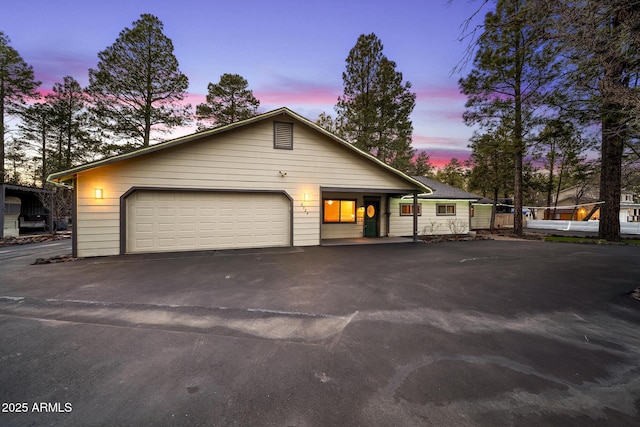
x=371, y=218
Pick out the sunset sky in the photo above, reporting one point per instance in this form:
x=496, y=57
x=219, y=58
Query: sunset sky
x=291, y=52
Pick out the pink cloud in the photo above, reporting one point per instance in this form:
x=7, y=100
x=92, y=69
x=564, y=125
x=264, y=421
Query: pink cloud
x=286, y=91
x=440, y=115
x=440, y=157
x=425, y=142
x=443, y=92
x=194, y=99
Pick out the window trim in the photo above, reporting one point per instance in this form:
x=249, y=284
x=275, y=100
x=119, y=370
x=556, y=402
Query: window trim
x=410, y=205
x=438, y=205
x=340, y=221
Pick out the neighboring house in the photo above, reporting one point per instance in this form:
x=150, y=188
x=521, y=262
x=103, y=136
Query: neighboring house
x=578, y=203
x=445, y=210
x=276, y=179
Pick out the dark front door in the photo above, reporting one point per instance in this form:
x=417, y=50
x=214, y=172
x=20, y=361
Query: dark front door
x=371, y=218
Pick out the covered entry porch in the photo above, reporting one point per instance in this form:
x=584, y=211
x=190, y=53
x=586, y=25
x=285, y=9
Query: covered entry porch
x=357, y=216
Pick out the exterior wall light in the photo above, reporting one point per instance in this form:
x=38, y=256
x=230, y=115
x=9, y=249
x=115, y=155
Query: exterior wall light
x=99, y=193
x=306, y=197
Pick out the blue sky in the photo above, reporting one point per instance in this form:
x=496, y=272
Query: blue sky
x=291, y=52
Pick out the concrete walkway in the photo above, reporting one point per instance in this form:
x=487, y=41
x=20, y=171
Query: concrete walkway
x=366, y=241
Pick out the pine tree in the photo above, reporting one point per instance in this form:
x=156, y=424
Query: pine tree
x=492, y=165
x=137, y=86
x=36, y=127
x=375, y=107
x=228, y=101
x=599, y=41
x=68, y=102
x=512, y=76
x=17, y=85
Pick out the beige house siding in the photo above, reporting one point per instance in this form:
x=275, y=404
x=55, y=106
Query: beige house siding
x=241, y=159
x=481, y=218
x=429, y=223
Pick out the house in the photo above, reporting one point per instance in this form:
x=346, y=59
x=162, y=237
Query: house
x=276, y=179
x=581, y=202
x=444, y=210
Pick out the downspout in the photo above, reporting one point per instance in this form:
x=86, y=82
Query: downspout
x=74, y=218
x=387, y=215
x=415, y=216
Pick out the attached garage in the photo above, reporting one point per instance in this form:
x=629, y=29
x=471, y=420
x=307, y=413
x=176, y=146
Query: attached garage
x=170, y=221
x=262, y=182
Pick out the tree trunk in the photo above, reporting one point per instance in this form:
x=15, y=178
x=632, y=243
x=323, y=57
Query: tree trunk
x=552, y=165
x=610, y=180
x=2, y=131
x=518, y=138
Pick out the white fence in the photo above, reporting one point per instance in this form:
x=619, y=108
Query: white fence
x=591, y=226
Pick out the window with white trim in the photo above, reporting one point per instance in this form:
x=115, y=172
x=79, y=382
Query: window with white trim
x=406, y=209
x=446, y=209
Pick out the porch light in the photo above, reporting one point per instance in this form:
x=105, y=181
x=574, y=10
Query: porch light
x=98, y=193
x=306, y=197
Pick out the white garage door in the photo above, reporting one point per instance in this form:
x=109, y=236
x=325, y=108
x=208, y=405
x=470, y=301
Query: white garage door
x=165, y=221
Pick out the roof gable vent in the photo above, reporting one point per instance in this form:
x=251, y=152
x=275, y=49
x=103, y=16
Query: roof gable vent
x=283, y=135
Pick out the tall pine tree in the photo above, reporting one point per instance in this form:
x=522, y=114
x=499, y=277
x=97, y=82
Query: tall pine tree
x=68, y=102
x=17, y=85
x=512, y=74
x=228, y=101
x=137, y=86
x=599, y=41
x=375, y=107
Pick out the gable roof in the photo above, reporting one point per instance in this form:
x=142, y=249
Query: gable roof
x=444, y=191
x=283, y=111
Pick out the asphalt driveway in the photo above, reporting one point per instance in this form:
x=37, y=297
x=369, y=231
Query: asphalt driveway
x=458, y=333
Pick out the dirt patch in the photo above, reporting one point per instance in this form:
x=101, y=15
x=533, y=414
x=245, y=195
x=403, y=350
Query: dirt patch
x=54, y=260
x=36, y=238
x=508, y=234
x=484, y=235
x=450, y=238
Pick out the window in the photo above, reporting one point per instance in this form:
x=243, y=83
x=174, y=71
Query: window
x=11, y=209
x=336, y=211
x=406, y=209
x=283, y=135
x=446, y=209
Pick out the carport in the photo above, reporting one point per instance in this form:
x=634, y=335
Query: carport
x=31, y=205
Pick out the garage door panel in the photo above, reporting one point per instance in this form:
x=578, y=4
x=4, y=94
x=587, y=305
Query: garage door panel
x=159, y=221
